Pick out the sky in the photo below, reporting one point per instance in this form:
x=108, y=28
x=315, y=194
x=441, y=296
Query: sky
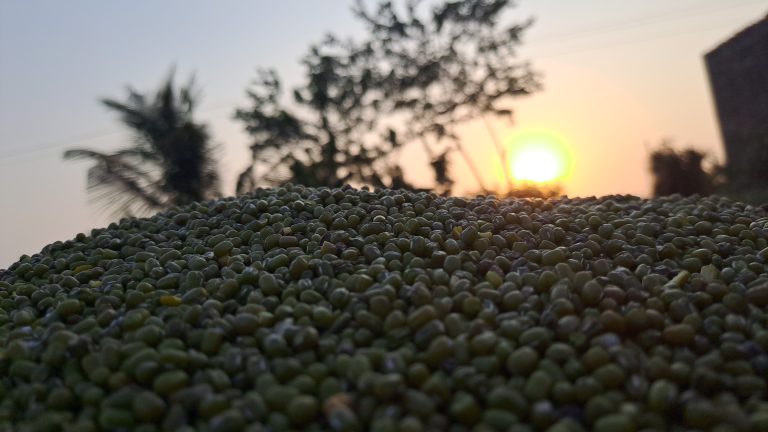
x=618, y=78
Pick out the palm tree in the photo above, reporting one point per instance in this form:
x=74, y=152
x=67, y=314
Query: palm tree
x=170, y=162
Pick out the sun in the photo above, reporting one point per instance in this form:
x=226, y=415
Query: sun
x=538, y=157
x=537, y=165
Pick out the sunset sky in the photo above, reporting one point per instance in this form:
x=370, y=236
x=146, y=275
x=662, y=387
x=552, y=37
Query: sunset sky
x=618, y=78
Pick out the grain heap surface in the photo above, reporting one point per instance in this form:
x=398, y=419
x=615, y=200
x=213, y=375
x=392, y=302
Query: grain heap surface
x=349, y=310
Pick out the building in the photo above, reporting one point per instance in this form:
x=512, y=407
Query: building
x=738, y=76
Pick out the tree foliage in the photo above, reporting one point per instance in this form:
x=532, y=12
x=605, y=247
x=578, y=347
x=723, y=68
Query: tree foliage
x=169, y=163
x=682, y=172
x=421, y=70
x=322, y=141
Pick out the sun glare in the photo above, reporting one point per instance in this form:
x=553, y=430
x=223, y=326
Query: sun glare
x=538, y=165
x=538, y=157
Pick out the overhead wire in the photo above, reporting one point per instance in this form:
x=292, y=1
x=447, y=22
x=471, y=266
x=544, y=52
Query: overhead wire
x=633, y=41
x=6, y=159
x=670, y=15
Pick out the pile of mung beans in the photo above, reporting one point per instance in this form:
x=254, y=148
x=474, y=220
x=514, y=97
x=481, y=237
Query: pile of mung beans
x=299, y=308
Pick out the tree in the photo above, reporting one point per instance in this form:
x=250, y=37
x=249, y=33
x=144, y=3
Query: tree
x=325, y=145
x=420, y=72
x=169, y=163
x=682, y=172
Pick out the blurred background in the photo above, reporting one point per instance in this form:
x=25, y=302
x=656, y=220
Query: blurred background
x=118, y=108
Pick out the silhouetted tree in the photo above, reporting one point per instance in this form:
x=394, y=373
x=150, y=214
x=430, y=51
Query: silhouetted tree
x=682, y=172
x=323, y=141
x=169, y=163
x=420, y=71
x=454, y=65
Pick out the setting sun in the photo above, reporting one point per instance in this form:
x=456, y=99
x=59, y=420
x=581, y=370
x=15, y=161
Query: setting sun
x=538, y=157
x=538, y=165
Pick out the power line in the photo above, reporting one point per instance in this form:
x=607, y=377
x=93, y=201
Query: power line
x=630, y=42
x=38, y=149
x=7, y=158
x=673, y=15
